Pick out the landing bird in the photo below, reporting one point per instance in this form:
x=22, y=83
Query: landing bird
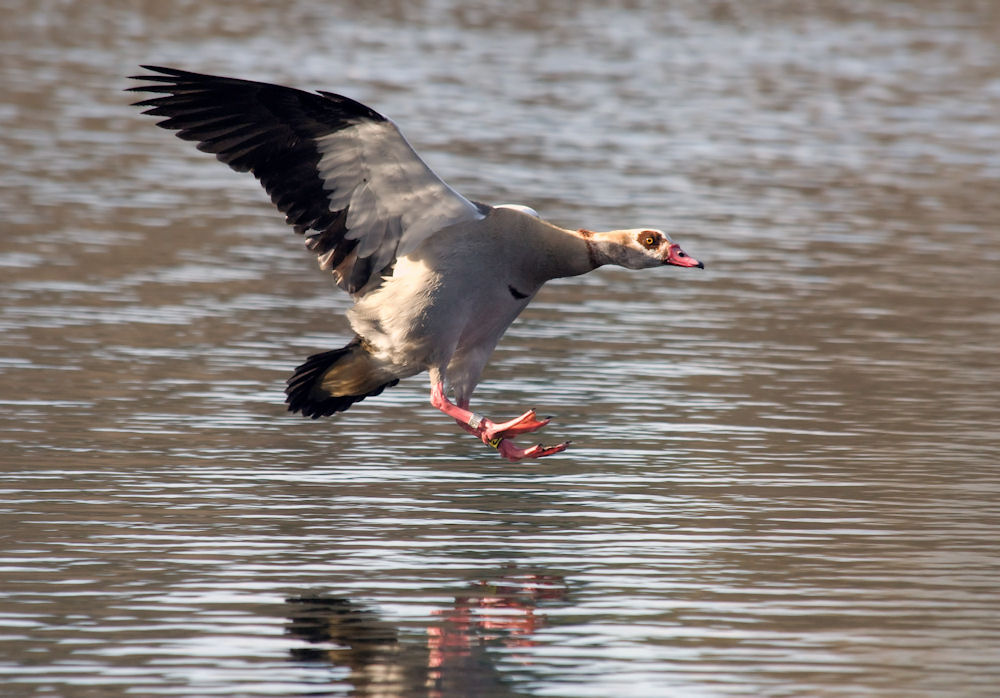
x=436, y=278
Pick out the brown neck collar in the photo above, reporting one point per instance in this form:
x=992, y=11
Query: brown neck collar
x=591, y=247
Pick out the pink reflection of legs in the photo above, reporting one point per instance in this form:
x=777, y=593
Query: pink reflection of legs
x=502, y=609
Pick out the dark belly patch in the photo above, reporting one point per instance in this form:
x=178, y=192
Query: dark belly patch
x=517, y=294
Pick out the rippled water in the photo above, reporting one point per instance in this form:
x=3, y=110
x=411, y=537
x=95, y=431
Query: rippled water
x=784, y=477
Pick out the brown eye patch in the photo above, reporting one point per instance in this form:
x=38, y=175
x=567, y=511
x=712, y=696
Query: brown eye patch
x=650, y=239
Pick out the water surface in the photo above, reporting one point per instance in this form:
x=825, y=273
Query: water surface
x=784, y=473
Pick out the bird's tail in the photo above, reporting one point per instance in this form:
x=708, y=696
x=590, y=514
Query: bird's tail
x=332, y=381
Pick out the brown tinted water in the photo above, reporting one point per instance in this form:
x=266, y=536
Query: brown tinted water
x=784, y=478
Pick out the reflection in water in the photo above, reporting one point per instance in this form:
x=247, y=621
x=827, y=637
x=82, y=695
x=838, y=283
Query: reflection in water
x=345, y=633
x=451, y=661
x=499, y=610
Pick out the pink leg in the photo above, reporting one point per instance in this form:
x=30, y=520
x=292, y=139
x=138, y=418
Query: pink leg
x=493, y=434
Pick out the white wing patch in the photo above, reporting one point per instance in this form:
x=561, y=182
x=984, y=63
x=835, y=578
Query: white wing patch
x=394, y=201
x=520, y=207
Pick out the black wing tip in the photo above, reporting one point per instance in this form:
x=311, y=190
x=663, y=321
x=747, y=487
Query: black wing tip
x=176, y=72
x=171, y=80
x=168, y=73
x=174, y=77
x=159, y=73
x=165, y=81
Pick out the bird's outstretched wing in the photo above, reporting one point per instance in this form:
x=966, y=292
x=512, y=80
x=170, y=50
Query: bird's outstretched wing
x=342, y=173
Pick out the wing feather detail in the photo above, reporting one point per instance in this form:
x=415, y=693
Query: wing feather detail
x=343, y=174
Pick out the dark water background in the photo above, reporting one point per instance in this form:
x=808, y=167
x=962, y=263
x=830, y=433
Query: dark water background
x=784, y=478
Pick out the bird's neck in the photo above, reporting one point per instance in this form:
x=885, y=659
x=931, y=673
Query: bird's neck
x=575, y=252
x=546, y=251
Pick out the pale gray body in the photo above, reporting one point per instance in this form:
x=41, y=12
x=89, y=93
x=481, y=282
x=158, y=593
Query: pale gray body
x=450, y=301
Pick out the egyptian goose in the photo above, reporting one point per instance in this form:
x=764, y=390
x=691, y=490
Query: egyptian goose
x=436, y=278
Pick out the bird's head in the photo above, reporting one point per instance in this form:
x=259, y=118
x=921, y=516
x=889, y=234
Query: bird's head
x=642, y=248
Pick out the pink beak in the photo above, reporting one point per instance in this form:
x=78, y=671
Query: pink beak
x=679, y=258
